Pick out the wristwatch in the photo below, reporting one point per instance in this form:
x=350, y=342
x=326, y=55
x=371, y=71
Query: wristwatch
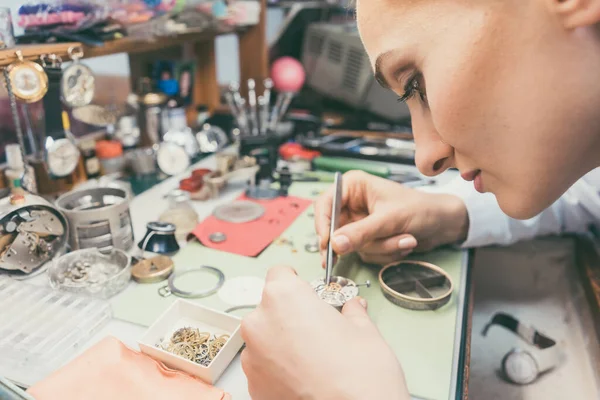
x=62, y=155
x=521, y=366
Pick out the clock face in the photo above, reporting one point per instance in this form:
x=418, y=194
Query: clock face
x=172, y=159
x=520, y=367
x=29, y=81
x=77, y=85
x=63, y=157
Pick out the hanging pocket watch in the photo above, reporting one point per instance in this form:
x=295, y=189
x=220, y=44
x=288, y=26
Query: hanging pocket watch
x=78, y=83
x=28, y=79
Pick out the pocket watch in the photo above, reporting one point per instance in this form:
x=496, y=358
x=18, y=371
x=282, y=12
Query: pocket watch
x=28, y=79
x=77, y=85
x=62, y=157
x=171, y=158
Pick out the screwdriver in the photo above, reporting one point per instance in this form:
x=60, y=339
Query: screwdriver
x=338, y=164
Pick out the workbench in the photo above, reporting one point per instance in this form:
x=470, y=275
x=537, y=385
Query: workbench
x=435, y=359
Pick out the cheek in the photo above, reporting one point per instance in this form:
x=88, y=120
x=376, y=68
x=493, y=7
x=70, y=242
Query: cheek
x=461, y=84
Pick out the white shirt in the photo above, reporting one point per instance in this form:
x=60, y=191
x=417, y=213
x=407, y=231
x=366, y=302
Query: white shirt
x=577, y=211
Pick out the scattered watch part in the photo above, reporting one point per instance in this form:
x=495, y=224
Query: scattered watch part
x=217, y=237
x=152, y=270
x=171, y=289
x=239, y=212
x=172, y=159
x=312, y=246
x=245, y=307
x=242, y=290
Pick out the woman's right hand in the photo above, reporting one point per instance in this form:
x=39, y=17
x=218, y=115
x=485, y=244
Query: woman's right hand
x=384, y=221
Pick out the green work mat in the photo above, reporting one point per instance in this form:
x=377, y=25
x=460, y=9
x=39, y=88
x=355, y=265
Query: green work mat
x=424, y=341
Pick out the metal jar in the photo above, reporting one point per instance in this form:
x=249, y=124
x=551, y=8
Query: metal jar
x=98, y=217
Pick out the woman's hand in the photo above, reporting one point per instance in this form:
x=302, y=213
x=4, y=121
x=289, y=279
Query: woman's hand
x=299, y=347
x=384, y=221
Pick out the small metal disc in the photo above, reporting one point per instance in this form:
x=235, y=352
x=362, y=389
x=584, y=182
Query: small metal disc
x=152, y=270
x=239, y=212
x=217, y=237
x=312, y=246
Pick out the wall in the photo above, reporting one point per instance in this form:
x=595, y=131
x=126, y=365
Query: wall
x=227, y=49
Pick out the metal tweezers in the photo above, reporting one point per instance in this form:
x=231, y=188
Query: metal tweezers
x=336, y=209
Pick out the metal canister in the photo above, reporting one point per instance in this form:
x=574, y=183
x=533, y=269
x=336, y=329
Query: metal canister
x=98, y=217
x=151, y=106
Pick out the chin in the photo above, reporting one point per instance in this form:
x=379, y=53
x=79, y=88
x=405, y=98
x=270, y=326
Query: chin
x=521, y=207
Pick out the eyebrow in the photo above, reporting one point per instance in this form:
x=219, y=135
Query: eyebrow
x=379, y=76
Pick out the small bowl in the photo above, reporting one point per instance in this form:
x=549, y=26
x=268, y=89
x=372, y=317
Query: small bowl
x=91, y=272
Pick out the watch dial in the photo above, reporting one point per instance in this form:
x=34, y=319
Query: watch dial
x=63, y=157
x=77, y=85
x=520, y=367
x=172, y=159
x=26, y=82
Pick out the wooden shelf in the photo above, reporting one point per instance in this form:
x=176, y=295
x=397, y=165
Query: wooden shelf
x=197, y=46
x=125, y=45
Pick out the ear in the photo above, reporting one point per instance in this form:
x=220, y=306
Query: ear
x=576, y=13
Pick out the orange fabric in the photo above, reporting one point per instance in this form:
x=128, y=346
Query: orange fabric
x=110, y=370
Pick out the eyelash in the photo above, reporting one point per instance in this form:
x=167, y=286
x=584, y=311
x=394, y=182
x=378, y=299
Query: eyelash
x=412, y=87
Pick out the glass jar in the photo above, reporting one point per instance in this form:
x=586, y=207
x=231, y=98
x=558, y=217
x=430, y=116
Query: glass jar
x=180, y=213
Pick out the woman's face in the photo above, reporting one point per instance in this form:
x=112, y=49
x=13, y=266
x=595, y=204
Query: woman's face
x=503, y=90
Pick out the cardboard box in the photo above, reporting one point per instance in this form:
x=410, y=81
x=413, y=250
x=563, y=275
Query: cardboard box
x=184, y=313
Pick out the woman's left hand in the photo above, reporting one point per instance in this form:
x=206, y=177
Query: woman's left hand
x=299, y=347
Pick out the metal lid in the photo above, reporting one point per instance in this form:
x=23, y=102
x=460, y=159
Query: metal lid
x=152, y=270
x=161, y=227
x=153, y=99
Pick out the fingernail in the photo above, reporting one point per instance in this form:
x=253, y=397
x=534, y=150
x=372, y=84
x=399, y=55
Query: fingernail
x=363, y=302
x=407, y=243
x=342, y=243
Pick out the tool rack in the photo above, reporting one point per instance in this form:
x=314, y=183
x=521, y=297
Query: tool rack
x=198, y=46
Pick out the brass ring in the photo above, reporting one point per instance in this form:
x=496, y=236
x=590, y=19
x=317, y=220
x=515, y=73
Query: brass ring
x=415, y=303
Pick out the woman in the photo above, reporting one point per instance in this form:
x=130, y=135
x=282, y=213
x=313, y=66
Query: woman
x=503, y=90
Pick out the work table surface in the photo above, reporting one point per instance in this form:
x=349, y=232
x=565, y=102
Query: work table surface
x=150, y=204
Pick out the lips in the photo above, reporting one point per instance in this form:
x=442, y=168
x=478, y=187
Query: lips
x=470, y=176
x=474, y=176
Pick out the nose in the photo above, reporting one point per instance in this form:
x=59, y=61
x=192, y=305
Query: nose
x=433, y=156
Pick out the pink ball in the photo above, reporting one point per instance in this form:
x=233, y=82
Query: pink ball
x=287, y=74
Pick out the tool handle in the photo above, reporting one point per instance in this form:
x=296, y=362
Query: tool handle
x=345, y=165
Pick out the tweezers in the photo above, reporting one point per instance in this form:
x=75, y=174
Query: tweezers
x=336, y=209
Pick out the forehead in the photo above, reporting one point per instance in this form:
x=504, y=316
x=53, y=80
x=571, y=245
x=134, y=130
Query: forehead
x=387, y=24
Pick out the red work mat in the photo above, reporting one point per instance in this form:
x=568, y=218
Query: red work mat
x=251, y=238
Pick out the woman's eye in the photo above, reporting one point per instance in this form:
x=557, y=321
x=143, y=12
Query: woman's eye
x=412, y=87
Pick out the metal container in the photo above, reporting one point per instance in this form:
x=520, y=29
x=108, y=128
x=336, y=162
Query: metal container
x=91, y=272
x=32, y=232
x=142, y=161
x=99, y=218
x=159, y=239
